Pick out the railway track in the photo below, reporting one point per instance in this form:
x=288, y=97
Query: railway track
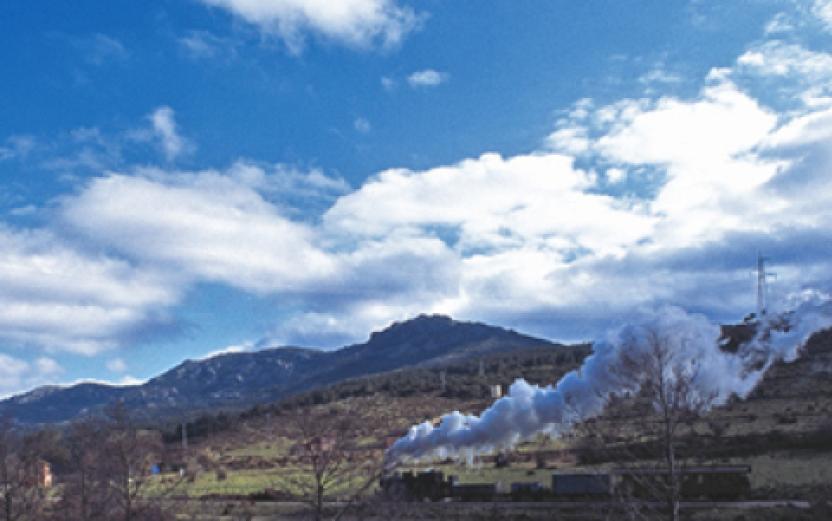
x=227, y=509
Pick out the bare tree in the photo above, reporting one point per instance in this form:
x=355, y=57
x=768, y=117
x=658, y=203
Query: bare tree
x=86, y=492
x=326, y=460
x=128, y=453
x=648, y=426
x=669, y=381
x=22, y=497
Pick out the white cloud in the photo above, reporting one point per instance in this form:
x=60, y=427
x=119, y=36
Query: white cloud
x=779, y=24
x=357, y=23
x=616, y=175
x=225, y=227
x=206, y=225
x=164, y=127
x=534, y=238
x=822, y=9
x=89, y=150
x=778, y=58
x=722, y=123
x=282, y=180
x=12, y=367
x=17, y=374
x=205, y=45
x=660, y=75
x=623, y=208
x=117, y=365
x=48, y=366
x=235, y=348
x=17, y=147
x=124, y=381
x=13, y=374
x=569, y=140
x=814, y=127
x=427, y=78
x=99, y=49
x=705, y=148
x=508, y=203
x=388, y=83
x=82, y=150
x=58, y=298
x=129, y=381
x=381, y=280
x=362, y=125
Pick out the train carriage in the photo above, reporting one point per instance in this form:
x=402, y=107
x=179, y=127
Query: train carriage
x=582, y=485
x=717, y=483
x=474, y=492
x=702, y=482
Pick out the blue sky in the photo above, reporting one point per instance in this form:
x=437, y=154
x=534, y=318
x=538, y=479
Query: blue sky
x=181, y=177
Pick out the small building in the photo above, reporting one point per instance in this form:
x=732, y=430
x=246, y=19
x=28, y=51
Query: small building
x=496, y=391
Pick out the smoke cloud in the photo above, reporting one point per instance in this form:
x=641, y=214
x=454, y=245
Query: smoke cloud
x=691, y=345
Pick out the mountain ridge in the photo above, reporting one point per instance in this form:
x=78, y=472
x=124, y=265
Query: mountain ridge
x=237, y=380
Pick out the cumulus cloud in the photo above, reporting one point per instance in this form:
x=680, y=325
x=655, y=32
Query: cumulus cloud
x=356, y=23
x=535, y=243
x=630, y=204
x=539, y=245
x=569, y=140
x=779, y=58
x=206, y=225
x=812, y=128
x=508, y=203
x=704, y=147
x=722, y=123
x=228, y=227
x=521, y=224
x=427, y=78
x=59, y=298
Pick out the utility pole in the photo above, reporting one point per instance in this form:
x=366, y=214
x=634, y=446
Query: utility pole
x=762, y=278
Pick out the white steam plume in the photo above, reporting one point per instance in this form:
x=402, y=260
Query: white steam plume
x=691, y=342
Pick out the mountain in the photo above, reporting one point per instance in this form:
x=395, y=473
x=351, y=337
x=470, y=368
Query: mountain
x=236, y=380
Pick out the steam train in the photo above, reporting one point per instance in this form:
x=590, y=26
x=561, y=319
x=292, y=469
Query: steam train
x=717, y=483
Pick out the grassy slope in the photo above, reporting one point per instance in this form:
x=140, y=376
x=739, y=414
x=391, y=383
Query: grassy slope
x=769, y=430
